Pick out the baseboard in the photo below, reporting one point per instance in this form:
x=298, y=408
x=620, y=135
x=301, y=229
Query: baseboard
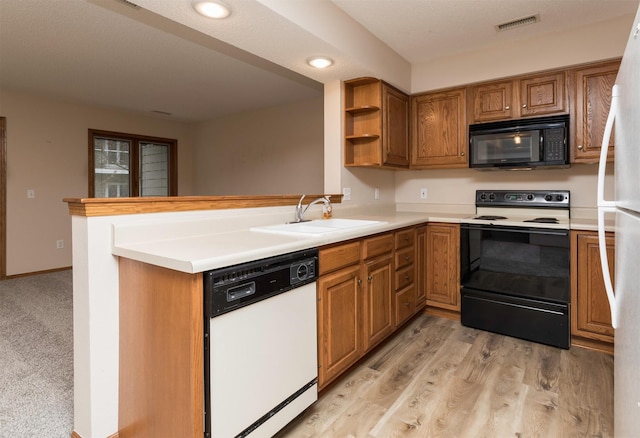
x=29, y=274
x=444, y=313
x=75, y=434
x=592, y=344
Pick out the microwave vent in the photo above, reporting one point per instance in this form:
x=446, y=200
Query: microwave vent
x=517, y=23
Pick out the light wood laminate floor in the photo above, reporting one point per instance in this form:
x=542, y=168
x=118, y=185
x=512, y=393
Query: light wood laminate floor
x=436, y=378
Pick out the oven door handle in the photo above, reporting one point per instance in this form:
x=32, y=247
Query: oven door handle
x=546, y=232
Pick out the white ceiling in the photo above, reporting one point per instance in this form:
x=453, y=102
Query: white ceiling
x=162, y=56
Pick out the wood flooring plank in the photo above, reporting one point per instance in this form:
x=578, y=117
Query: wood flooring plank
x=543, y=368
x=332, y=406
x=411, y=412
x=539, y=417
x=586, y=392
x=436, y=378
x=356, y=421
x=400, y=371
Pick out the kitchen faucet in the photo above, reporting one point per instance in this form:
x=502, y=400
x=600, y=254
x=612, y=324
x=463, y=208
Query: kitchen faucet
x=300, y=211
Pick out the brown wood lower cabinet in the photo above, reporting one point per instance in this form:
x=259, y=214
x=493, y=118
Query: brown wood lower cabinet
x=161, y=388
x=359, y=290
x=443, y=269
x=590, y=312
x=340, y=321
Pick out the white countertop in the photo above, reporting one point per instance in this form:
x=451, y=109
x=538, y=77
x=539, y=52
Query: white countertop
x=227, y=243
x=194, y=246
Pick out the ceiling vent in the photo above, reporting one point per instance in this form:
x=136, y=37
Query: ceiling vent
x=517, y=23
x=130, y=4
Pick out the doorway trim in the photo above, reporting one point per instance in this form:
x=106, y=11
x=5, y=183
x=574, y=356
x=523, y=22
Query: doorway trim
x=3, y=198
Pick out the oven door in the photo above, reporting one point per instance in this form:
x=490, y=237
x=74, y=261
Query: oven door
x=516, y=281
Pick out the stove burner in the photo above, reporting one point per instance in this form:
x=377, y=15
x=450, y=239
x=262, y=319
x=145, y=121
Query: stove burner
x=490, y=218
x=543, y=220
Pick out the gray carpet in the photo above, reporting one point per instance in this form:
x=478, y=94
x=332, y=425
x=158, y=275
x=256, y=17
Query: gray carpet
x=36, y=356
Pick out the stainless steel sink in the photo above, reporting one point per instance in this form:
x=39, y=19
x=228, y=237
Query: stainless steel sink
x=317, y=227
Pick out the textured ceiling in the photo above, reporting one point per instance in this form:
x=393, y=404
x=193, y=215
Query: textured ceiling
x=164, y=57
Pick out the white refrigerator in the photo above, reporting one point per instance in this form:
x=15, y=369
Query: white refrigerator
x=625, y=301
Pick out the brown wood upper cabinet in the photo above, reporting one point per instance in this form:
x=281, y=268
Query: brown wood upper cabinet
x=376, y=124
x=439, y=130
x=591, y=88
x=526, y=96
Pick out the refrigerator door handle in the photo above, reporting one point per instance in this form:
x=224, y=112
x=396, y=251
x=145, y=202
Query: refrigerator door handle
x=605, y=206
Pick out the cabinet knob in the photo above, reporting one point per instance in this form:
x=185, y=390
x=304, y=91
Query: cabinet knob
x=462, y=154
x=369, y=278
x=359, y=280
x=580, y=147
x=507, y=107
x=524, y=105
x=407, y=258
x=406, y=277
x=407, y=304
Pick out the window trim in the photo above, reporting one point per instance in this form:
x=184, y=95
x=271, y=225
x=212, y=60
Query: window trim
x=134, y=165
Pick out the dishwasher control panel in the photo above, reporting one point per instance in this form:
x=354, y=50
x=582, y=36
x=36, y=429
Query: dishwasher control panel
x=231, y=288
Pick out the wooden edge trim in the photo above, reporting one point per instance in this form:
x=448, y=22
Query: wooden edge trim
x=118, y=206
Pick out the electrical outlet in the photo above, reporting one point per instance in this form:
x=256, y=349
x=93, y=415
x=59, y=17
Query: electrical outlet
x=31, y=193
x=59, y=244
x=423, y=193
x=376, y=194
x=346, y=193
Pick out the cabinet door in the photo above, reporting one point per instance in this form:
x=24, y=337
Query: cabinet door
x=443, y=266
x=591, y=314
x=592, y=100
x=542, y=95
x=395, y=127
x=492, y=101
x=404, y=304
x=378, y=306
x=439, y=130
x=339, y=322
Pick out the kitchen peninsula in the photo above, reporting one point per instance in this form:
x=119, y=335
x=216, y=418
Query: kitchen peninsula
x=177, y=239
x=184, y=235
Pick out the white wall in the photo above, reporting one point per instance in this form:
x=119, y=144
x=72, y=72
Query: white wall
x=455, y=189
x=47, y=151
x=274, y=151
x=598, y=41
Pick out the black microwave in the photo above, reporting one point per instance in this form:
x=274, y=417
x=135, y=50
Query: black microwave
x=520, y=144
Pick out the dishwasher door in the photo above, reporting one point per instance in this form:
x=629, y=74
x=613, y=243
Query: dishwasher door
x=263, y=358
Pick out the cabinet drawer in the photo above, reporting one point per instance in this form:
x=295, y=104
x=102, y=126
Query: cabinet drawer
x=404, y=277
x=337, y=257
x=405, y=305
x=405, y=257
x=377, y=245
x=405, y=238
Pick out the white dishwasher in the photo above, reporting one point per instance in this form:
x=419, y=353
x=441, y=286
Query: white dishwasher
x=260, y=343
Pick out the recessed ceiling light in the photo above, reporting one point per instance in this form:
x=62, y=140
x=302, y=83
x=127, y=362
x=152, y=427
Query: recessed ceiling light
x=212, y=9
x=320, y=62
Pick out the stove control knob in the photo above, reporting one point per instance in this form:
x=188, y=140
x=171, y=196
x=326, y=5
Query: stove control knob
x=559, y=198
x=548, y=198
x=483, y=196
x=530, y=196
x=492, y=196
